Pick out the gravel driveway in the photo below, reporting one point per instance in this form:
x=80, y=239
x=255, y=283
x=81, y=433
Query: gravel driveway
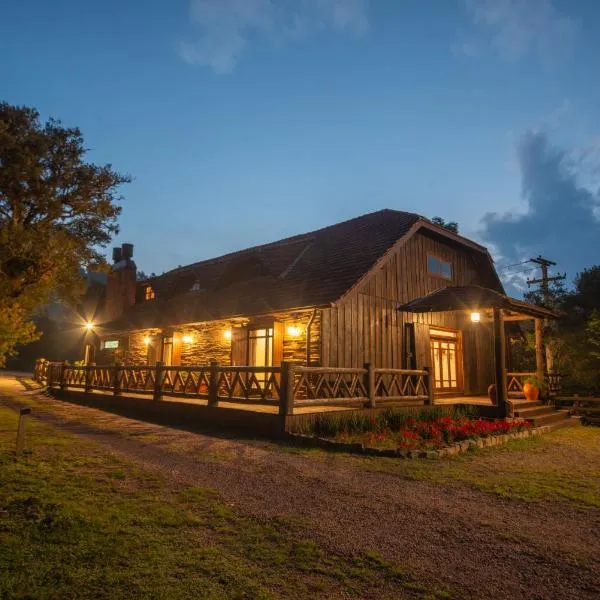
x=448, y=536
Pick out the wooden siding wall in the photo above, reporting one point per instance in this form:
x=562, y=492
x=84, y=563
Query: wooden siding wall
x=367, y=327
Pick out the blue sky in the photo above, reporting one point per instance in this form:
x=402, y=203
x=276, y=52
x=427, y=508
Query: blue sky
x=244, y=121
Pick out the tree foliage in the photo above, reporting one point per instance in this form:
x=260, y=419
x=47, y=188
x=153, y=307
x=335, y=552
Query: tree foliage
x=450, y=225
x=57, y=211
x=575, y=337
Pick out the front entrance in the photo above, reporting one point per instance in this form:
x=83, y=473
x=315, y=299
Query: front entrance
x=446, y=360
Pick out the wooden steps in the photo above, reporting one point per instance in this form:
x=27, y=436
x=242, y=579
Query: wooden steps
x=541, y=414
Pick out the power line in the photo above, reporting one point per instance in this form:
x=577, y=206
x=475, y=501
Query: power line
x=515, y=265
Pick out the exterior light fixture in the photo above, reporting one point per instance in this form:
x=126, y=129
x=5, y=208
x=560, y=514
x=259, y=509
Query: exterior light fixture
x=187, y=339
x=89, y=325
x=227, y=334
x=146, y=340
x=475, y=317
x=293, y=331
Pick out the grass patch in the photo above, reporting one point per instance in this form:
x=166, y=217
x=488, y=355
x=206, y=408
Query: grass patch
x=562, y=466
x=78, y=522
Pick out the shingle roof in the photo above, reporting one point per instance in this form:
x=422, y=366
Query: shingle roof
x=312, y=269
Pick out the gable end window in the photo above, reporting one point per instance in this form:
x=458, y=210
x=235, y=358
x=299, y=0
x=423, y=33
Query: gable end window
x=149, y=293
x=438, y=267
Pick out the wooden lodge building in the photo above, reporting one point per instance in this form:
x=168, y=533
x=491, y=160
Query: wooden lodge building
x=388, y=288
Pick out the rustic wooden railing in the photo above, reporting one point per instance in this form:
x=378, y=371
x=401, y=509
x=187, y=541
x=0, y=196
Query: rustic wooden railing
x=588, y=409
x=515, y=382
x=287, y=386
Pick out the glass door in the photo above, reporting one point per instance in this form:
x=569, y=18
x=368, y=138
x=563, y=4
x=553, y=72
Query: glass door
x=446, y=360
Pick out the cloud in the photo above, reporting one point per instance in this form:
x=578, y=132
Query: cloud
x=561, y=201
x=225, y=28
x=520, y=27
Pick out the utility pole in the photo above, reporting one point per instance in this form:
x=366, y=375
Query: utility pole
x=544, y=282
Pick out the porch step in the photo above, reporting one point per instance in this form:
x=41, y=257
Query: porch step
x=540, y=414
x=529, y=412
x=552, y=417
x=521, y=404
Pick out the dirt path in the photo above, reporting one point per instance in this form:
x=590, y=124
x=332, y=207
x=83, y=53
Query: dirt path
x=452, y=537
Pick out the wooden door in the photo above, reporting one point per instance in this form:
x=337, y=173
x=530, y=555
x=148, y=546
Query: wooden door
x=446, y=360
x=239, y=346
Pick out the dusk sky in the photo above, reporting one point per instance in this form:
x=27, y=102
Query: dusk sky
x=245, y=121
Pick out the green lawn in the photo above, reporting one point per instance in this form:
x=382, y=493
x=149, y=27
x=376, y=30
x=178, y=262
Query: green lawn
x=559, y=467
x=79, y=522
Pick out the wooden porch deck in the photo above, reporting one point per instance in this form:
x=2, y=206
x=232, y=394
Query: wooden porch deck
x=477, y=400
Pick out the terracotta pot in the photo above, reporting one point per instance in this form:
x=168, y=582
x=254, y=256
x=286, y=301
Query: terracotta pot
x=531, y=391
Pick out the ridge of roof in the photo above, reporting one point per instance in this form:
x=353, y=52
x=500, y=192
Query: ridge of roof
x=309, y=235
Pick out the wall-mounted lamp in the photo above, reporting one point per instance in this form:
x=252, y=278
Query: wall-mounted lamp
x=293, y=331
x=89, y=325
x=187, y=339
x=227, y=334
x=475, y=317
x=147, y=340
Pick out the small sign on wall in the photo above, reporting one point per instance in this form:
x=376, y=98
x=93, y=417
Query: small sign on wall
x=110, y=344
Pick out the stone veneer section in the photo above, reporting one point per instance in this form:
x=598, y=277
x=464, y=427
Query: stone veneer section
x=209, y=342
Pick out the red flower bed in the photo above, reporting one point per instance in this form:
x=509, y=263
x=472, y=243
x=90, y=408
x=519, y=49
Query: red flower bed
x=440, y=432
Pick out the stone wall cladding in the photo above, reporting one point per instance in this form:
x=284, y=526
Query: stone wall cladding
x=209, y=342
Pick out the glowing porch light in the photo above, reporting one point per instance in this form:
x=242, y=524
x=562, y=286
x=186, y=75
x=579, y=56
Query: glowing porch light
x=475, y=317
x=187, y=339
x=293, y=331
x=227, y=334
x=89, y=325
x=147, y=340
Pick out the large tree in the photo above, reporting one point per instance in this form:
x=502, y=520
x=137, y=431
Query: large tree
x=57, y=212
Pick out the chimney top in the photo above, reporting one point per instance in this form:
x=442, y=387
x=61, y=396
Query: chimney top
x=127, y=251
x=117, y=255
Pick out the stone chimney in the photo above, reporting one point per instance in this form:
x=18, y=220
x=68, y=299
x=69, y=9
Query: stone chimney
x=120, y=283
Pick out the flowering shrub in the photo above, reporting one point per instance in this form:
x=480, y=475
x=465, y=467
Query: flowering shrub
x=414, y=433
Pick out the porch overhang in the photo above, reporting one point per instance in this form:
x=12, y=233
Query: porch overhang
x=475, y=298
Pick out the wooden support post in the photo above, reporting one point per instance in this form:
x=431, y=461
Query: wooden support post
x=539, y=349
x=159, y=375
x=500, y=361
x=117, y=379
x=21, y=431
x=89, y=371
x=286, y=392
x=213, y=389
x=63, y=375
x=430, y=388
x=370, y=384
x=36, y=370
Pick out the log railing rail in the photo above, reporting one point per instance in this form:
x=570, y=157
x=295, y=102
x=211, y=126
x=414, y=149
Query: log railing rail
x=515, y=382
x=287, y=386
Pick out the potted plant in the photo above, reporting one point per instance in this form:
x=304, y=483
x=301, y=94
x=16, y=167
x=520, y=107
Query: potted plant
x=533, y=387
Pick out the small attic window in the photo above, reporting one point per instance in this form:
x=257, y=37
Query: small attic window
x=149, y=293
x=197, y=287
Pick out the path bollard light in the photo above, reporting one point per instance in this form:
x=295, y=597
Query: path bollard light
x=21, y=430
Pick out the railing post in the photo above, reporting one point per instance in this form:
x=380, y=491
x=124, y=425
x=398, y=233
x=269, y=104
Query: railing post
x=63, y=378
x=158, y=380
x=429, y=378
x=117, y=379
x=286, y=392
x=370, y=383
x=36, y=369
x=213, y=391
x=89, y=370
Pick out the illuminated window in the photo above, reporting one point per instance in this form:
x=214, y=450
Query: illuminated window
x=438, y=267
x=149, y=293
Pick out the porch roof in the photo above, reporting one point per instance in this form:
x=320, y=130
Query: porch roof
x=474, y=298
